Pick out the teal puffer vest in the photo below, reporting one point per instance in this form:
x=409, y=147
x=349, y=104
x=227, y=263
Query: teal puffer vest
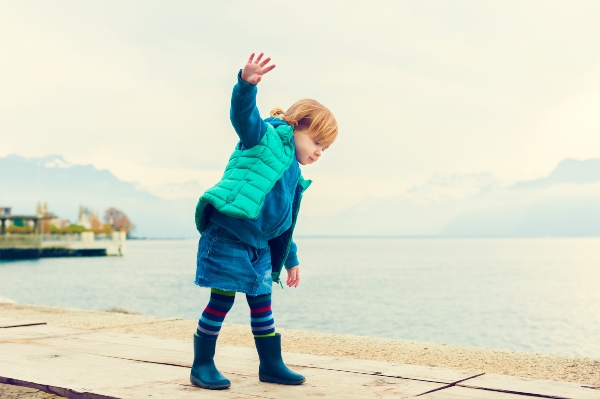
x=250, y=174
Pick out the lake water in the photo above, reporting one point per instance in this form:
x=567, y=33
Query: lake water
x=539, y=295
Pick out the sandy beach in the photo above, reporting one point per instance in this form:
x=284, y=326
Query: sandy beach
x=581, y=370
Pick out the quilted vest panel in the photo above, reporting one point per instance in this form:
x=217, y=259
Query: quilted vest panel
x=250, y=174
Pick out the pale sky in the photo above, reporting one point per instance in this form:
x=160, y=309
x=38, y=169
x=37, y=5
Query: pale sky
x=142, y=88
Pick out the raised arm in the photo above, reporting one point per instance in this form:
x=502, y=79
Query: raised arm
x=244, y=114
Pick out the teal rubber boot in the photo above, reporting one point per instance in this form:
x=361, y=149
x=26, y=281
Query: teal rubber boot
x=204, y=373
x=272, y=369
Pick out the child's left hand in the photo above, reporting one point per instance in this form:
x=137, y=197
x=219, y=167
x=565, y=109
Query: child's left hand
x=293, y=276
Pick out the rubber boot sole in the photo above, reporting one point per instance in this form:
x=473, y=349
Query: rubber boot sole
x=200, y=384
x=273, y=380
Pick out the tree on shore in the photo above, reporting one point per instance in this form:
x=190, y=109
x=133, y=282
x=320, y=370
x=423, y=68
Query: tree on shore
x=118, y=220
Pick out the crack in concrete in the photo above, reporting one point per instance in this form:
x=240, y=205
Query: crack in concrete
x=452, y=384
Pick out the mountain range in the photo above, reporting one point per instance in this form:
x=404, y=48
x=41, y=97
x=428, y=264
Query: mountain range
x=566, y=203
x=64, y=186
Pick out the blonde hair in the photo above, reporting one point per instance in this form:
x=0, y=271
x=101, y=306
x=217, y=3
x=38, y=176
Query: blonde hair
x=309, y=115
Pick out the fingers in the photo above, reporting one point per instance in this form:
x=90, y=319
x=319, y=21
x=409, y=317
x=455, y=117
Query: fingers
x=297, y=278
x=259, y=62
x=255, y=68
x=293, y=279
x=269, y=68
x=264, y=62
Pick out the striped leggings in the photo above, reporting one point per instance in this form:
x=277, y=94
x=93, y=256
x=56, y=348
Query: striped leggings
x=261, y=316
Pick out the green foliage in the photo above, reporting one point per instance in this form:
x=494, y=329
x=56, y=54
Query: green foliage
x=71, y=229
x=14, y=229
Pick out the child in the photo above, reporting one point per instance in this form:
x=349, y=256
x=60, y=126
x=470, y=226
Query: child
x=246, y=222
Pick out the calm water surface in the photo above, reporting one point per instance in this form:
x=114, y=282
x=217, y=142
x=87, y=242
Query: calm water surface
x=538, y=295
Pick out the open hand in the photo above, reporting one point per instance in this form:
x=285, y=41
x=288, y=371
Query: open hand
x=293, y=276
x=255, y=69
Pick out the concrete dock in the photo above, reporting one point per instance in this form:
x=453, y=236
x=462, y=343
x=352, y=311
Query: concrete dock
x=35, y=246
x=118, y=356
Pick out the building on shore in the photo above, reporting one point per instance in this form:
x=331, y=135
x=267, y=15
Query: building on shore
x=29, y=236
x=33, y=222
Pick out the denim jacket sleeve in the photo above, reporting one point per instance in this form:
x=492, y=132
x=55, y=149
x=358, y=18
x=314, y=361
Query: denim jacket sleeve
x=244, y=114
x=292, y=259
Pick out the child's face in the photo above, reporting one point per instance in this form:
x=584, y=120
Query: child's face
x=308, y=150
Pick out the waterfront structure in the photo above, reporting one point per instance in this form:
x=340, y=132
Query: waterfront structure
x=7, y=219
x=40, y=244
x=86, y=217
x=34, y=246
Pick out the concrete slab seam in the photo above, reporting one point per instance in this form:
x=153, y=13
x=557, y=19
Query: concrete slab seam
x=450, y=385
x=25, y=325
x=534, y=395
x=379, y=373
x=65, y=392
x=590, y=387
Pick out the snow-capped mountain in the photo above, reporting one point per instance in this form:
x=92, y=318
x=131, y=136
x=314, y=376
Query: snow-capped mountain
x=565, y=203
x=64, y=186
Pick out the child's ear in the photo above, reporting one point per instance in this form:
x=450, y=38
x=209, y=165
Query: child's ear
x=304, y=124
x=297, y=130
x=302, y=129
